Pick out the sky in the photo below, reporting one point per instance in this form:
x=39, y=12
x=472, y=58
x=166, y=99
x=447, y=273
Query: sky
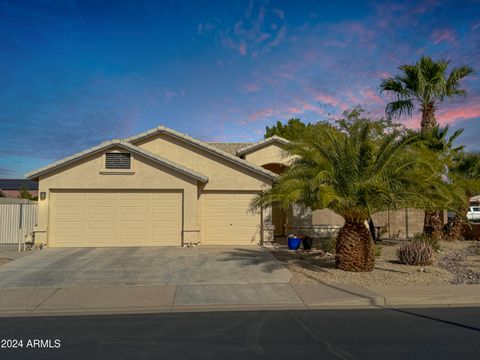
x=76, y=73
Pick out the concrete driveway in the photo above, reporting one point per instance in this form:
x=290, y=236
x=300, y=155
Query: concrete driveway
x=85, y=267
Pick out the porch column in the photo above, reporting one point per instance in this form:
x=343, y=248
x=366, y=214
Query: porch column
x=268, y=228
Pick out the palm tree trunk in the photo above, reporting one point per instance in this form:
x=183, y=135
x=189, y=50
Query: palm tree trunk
x=355, y=250
x=432, y=225
x=453, y=230
x=428, y=117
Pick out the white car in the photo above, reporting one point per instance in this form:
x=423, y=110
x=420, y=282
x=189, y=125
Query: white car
x=474, y=213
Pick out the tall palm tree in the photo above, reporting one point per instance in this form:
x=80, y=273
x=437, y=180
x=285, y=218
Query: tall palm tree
x=355, y=173
x=424, y=85
x=442, y=144
x=464, y=172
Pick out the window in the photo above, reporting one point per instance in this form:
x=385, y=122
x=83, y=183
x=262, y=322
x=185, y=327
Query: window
x=476, y=209
x=117, y=161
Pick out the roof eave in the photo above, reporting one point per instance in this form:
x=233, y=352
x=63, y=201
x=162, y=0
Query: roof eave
x=202, y=145
x=34, y=175
x=262, y=143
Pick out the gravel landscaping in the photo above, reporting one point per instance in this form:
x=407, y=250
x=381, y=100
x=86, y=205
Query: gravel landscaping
x=457, y=263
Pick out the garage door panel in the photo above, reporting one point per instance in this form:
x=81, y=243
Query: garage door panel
x=92, y=218
x=67, y=211
x=101, y=196
x=101, y=240
x=226, y=219
x=67, y=225
x=101, y=210
x=134, y=196
x=75, y=240
x=165, y=211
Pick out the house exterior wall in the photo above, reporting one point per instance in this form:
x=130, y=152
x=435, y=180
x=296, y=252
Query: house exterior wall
x=222, y=174
x=271, y=153
x=88, y=173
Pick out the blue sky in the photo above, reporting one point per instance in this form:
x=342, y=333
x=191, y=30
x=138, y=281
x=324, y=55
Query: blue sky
x=76, y=73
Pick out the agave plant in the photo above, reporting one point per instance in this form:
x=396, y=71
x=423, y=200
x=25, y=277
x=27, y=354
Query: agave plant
x=355, y=173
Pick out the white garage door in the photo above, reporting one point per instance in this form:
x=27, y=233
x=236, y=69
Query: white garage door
x=115, y=218
x=227, y=220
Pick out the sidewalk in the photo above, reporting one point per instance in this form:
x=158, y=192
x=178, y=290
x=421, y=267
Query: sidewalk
x=171, y=298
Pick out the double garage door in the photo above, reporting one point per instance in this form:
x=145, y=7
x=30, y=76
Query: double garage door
x=115, y=218
x=140, y=218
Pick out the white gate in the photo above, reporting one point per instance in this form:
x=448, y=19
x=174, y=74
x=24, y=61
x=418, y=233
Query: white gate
x=16, y=220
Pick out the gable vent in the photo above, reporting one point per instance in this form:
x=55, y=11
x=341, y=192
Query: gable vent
x=117, y=161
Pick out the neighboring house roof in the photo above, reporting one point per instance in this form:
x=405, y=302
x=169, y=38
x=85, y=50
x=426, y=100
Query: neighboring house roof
x=117, y=143
x=230, y=147
x=205, y=146
x=16, y=184
x=475, y=199
x=255, y=146
x=15, y=201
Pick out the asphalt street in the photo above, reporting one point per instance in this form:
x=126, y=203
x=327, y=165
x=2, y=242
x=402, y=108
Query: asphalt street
x=440, y=333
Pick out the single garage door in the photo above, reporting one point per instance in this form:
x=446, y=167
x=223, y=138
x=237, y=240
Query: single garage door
x=115, y=218
x=227, y=220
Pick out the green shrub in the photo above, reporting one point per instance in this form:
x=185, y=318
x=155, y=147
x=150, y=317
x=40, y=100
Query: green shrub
x=378, y=250
x=415, y=252
x=328, y=244
x=433, y=242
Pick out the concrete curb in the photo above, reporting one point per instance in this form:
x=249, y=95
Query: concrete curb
x=163, y=299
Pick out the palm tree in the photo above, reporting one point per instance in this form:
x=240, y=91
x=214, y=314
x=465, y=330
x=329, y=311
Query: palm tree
x=356, y=174
x=464, y=173
x=424, y=85
x=442, y=145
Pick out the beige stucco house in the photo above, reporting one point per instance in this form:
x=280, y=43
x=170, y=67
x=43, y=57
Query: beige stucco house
x=160, y=187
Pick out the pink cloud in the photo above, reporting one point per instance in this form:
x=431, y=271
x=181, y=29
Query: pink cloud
x=250, y=88
x=295, y=110
x=372, y=96
x=459, y=113
x=260, y=114
x=313, y=108
x=330, y=100
x=242, y=49
x=441, y=35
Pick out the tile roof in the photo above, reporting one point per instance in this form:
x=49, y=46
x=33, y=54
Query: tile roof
x=230, y=147
x=204, y=146
x=254, y=146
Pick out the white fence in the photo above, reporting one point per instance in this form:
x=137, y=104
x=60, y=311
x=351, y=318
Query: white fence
x=16, y=220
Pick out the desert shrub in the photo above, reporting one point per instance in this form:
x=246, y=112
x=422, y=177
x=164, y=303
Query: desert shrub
x=328, y=244
x=433, y=242
x=415, y=252
x=378, y=250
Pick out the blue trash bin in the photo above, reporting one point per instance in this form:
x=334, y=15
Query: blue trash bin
x=294, y=243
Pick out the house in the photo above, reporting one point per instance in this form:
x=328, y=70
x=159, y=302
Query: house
x=160, y=187
x=11, y=187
